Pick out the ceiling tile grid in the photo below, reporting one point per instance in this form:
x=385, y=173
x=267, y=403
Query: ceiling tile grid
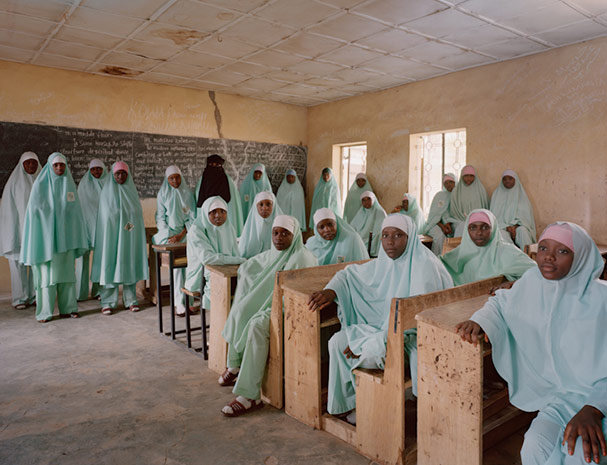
x=302, y=52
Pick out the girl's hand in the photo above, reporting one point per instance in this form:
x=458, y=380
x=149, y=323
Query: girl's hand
x=321, y=299
x=587, y=423
x=470, y=331
x=349, y=354
x=506, y=285
x=173, y=239
x=396, y=209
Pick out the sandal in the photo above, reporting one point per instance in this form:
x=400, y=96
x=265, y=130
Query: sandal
x=134, y=308
x=45, y=321
x=75, y=315
x=194, y=310
x=21, y=307
x=106, y=311
x=239, y=409
x=227, y=378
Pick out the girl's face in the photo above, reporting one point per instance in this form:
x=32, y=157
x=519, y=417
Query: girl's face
x=218, y=216
x=480, y=233
x=394, y=241
x=59, y=168
x=468, y=179
x=360, y=182
x=367, y=202
x=30, y=166
x=174, y=180
x=264, y=208
x=96, y=171
x=405, y=205
x=281, y=238
x=326, y=175
x=508, y=182
x=327, y=229
x=257, y=175
x=449, y=185
x=290, y=178
x=121, y=176
x=554, y=259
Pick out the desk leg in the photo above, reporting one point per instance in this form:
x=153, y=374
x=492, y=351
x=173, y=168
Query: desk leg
x=158, y=293
x=221, y=299
x=172, y=294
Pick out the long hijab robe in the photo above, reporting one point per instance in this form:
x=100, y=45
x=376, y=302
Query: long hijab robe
x=251, y=187
x=413, y=211
x=466, y=198
x=209, y=245
x=512, y=207
x=369, y=220
x=353, y=198
x=215, y=181
x=120, y=254
x=291, y=199
x=468, y=262
x=364, y=296
x=326, y=195
x=347, y=246
x=248, y=324
x=256, y=236
x=549, y=344
x=439, y=213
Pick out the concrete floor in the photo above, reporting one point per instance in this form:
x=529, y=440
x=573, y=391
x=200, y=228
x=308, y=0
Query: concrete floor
x=111, y=390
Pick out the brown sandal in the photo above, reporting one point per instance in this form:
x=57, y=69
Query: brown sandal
x=239, y=409
x=227, y=378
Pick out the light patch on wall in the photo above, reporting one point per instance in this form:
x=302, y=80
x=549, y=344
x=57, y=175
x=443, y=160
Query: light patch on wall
x=399, y=133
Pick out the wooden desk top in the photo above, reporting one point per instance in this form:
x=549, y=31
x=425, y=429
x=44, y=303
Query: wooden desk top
x=177, y=247
x=227, y=271
x=308, y=286
x=446, y=317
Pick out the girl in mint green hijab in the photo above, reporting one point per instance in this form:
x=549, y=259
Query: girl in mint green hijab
x=291, y=198
x=89, y=191
x=364, y=295
x=438, y=225
x=257, y=233
x=211, y=241
x=247, y=329
x=488, y=257
x=368, y=220
x=326, y=195
x=409, y=207
x=120, y=255
x=334, y=240
x=256, y=181
x=15, y=197
x=175, y=213
x=514, y=213
x=468, y=195
x=549, y=344
x=361, y=184
x=54, y=235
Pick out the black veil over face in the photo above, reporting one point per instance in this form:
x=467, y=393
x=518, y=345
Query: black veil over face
x=214, y=181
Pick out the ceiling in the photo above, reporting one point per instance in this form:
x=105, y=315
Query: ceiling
x=303, y=52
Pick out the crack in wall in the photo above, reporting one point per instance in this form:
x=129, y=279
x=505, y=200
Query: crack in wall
x=217, y=113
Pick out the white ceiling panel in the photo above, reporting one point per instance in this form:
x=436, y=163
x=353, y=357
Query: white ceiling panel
x=20, y=40
x=226, y=47
x=575, y=32
x=27, y=24
x=498, y=10
x=180, y=69
x=350, y=55
x=484, y=34
x=314, y=67
x=224, y=77
x=422, y=71
x=322, y=82
x=136, y=8
x=547, y=17
x=348, y=27
x=430, y=51
x=399, y=11
x=155, y=51
x=15, y=54
x=392, y=40
x=86, y=37
x=275, y=59
x=259, y=84
x=387, y=80
x=162, y=78
x=203, y=60
x=193, y=15
x=335, y=94
x=511, y=48
x=300, y=90
x=444, y=23
x=463, y=60
x=390, y=64
x=249, y=69
x=308, y=45
x=52, y=10
x=288, y=76
x=254, y=31
x=296, y=13
x=55, y=61
x=355, y=75
x=101, y=21
x=594, y=7
x=72, y=50
x=244, y=6
x=167, y=34
x=129, y=60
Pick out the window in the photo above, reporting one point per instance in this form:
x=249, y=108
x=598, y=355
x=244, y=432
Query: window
x=353, y=161
x=432, y=155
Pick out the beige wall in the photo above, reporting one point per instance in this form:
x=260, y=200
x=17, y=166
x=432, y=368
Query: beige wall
x=545, y=116
x=34, y=94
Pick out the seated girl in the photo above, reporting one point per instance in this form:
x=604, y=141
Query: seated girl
x=469, y=194
x=257, y=233
x=291, y=198
x=368, y=220
x=334, y=240
x=483, y=253
x=360, y=185
x=364, y=294
x=549, y=344
x=247, y=329
x=255, y=182
x=410, y=208
x=437, y=225
x=211, y=241
x=326, y=195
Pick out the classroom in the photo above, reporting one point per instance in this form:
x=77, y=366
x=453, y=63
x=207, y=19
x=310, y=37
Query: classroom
x=404, y=91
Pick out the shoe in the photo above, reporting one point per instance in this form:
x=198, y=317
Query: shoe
x=106, y=311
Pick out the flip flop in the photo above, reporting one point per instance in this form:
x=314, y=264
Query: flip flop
x=106, y=311
x=239, y=409
x=21, y=307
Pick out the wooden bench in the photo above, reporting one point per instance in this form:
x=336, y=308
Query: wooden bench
x=457, y=422
x=450, y=244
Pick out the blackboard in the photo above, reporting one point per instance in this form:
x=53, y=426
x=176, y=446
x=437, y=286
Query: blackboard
x=147, y=155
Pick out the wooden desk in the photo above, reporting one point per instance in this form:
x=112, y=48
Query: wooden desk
x=455, y=424
x=171, y=256
x=223, y=283
x=148, y=289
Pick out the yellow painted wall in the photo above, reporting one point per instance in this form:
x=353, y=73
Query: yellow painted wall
x=545, y=116
x=40, y=95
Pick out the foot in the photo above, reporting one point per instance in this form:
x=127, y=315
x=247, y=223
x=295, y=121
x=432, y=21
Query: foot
x=240, y=406
x=228, y=377
x=194, y=310
x=180, y=311
x=45, y=321
x=21, y=306
x=75, y=315
x=106, y=311
x=351, y=417
x=134, y=308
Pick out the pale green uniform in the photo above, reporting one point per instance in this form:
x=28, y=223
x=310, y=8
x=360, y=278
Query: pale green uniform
x=247, y=329
x=368, y=220
x=291, y=199
x=209, y=245
x=353, y=198
x=234, y=205
x=414, y=212
x=175, y=210
x=120, y=254
x=347, y=246
x=548, y=342
x=89, y=191
x=512, y=207
x=468, y=262
x=251, y=187
x=464, y=199
x=439, y=213
x=364, y=295
x=54, y=234
x=15, y=197
x=326, y=195
x=256, y=235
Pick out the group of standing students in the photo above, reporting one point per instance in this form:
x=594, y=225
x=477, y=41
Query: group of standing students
x=546, y=323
